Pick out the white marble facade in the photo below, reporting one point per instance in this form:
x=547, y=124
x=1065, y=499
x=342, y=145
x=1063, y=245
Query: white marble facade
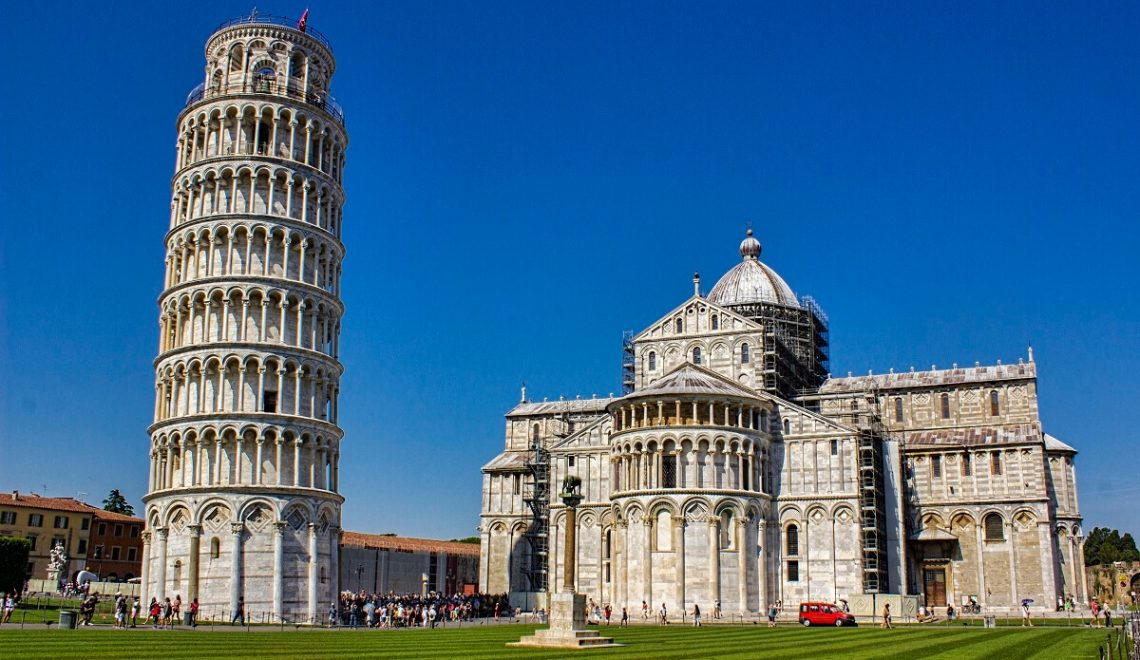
x=702, y=485
x=243, y=502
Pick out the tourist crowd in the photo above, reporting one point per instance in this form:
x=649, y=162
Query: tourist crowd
x=364, y=610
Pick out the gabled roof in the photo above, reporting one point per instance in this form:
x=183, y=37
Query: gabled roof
x=932, y=378
x=594, y=405
x=406, y=544
x=974, y=436
x=721, y=309
x=688, y=378
x=508, y=461
x=1053, y=444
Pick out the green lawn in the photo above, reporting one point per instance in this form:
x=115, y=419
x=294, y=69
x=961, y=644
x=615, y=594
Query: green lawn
x=487, y=642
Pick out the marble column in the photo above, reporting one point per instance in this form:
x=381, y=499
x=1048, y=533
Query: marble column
x=160, y=573
x=569, y=565
x=236, y=530
x=144, y=584
x=1011, y=532
x=714, y=560
x=762, y=565
x=314, y=561
x=647, y=562
x=679, y=558
x=278, y=568
x=195, y=556
x=742, y=555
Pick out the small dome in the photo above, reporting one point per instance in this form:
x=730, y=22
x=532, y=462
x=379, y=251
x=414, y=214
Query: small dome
x=751, y=281
x=750, y=247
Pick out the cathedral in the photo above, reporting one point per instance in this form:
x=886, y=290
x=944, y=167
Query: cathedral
x=736, y=470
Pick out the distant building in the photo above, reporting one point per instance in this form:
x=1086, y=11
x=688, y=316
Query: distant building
x=379, y=563
x=115, y=547
x=736, y=469
x=107, y=544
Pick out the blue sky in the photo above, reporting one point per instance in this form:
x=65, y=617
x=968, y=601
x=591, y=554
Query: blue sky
x=952, y=181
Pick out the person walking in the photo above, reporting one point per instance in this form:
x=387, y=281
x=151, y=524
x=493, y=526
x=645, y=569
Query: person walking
x=624, y=616
x=136, y=608
x=886, y=616
x=176, y=610
x=194, y=613
x=1107, y=616
x=696, y=615
x=644, y=610
x=1095, y=606
x=1025, y=621
x=9, y=607
x=716, y=609
x=772, y=615
x=664, y=615
x=239, y=613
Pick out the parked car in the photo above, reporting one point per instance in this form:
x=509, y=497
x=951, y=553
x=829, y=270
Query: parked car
x=824, y=614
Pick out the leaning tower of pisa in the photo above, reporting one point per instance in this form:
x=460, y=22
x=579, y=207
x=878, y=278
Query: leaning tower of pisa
x=242, y=502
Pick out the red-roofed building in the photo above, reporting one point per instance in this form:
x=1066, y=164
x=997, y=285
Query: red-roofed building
x=80, y=527
x=115, y=549
x=380, y=563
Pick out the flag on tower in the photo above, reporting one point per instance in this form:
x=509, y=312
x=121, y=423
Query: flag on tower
x=304, y=20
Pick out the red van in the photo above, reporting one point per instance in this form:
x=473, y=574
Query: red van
x=824, y=614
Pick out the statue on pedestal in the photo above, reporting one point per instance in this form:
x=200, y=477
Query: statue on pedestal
x=57, y=565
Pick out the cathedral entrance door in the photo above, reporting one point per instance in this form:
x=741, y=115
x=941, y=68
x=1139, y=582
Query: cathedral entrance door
x=934, y=581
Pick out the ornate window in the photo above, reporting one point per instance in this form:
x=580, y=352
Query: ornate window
x=215, y=548
x=744, y=354
x=995, y=463
x=834, y=447
x=898, y=409
x=793, y=571
x=697, y=355
x=668, y=471
x=936, y=466
x=945, y=403
x=995, y=528
x=715, y=322
x=680, y=326
x=792, y=541
x=652, y=360
x=967, y=466
x=995, y=406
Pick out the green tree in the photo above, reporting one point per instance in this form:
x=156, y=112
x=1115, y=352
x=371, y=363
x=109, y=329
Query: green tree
x=1105, y=546
x=13, y=563
x=474, y=540
x=116, y=503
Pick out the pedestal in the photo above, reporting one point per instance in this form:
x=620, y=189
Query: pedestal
x=567, y=627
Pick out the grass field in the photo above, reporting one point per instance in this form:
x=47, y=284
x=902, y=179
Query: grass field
x=487, y=642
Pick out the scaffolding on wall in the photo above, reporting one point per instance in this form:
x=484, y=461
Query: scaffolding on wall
x=536, y=495
x=628, y=364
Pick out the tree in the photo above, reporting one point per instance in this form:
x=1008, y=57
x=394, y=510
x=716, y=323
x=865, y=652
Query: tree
x=116, y=503
x=474, y=540
x=1105, y=546
x=13, y=563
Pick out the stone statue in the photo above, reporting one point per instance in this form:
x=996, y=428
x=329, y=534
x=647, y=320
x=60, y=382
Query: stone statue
x=57, y=565
x=58, y=558
x=572, y=485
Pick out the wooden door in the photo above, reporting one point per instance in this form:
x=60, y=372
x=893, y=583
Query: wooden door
x=934, y=581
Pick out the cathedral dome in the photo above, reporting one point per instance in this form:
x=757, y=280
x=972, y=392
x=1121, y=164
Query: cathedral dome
x=751, y=282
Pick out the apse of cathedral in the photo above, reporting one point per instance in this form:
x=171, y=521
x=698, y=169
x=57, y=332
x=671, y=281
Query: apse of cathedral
x=736, y=470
